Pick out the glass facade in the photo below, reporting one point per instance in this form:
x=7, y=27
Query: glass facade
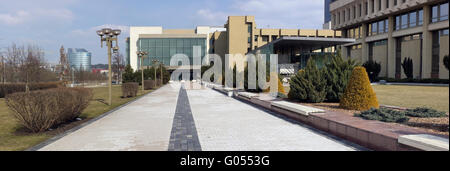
x=163, y=49
x=79, y=59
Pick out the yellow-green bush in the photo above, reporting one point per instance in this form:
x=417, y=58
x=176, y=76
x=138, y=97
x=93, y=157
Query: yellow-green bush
x=281, y=88
x=359, y=94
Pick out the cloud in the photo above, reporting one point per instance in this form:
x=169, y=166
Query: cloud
x=278, y=14
x=13, y=19
x=36, y=15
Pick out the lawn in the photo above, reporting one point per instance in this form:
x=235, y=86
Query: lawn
x=412, y=96
x=13, y=137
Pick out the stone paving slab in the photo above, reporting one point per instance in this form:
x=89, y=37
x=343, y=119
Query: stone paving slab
x=184, y=134
x=143, y=125
x=226, y=124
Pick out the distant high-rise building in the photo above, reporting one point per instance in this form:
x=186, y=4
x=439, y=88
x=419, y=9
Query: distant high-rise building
x=79, y=59
x=327, y=15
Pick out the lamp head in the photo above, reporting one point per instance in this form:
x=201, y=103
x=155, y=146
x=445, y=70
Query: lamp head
x=116, y=32
x=107, y=31
x=100, y=33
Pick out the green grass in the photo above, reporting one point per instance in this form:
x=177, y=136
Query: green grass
x=413, y=96
x=14, y=138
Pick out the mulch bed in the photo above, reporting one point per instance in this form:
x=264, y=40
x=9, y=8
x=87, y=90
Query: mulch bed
x=432, y=125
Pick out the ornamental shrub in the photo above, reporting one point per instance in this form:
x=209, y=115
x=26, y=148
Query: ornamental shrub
x=128, y=75
x=373, y=70
x=40, y=110
x=337, y=74
x=359, y=94
x=423, y=112
x=309, y=85
x=130, y=89
x=149, y=84
x=384, y=115
x=407, y=66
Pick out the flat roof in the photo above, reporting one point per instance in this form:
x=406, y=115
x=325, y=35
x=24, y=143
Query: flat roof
x=312, y=43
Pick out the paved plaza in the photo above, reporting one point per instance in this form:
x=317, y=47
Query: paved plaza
x=175, y=118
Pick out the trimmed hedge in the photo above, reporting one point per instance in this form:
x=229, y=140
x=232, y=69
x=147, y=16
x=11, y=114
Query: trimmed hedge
x=21, y=87
x=359, y=94
x=384, y=115
x=373, y=69
x=40, y=110
x=423, y=112
x=130, y=89
x=149, y=84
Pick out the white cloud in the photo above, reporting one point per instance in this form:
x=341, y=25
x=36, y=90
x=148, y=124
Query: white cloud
x=36, y=15
x=13, y=19
x=278, y=14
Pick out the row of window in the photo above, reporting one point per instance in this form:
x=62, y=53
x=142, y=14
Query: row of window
x=357, y=10
x=407, y=20
x=378, y=27
x=172, y=42
x=438, y=13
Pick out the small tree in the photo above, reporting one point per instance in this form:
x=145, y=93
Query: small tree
x=359, y=94
x=128, y=75
x=309, y=85
x=373, y=69
x=446, y=61
x=408, y=67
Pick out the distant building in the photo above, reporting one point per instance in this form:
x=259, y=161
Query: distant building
x=79, y=59
x=327, y=15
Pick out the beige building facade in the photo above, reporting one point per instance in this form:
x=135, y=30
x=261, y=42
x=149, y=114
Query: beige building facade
x=388, y=31
x=239, y=36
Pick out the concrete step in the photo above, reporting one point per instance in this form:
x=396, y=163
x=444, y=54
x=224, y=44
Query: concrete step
x=425, y=142
x=300, y=109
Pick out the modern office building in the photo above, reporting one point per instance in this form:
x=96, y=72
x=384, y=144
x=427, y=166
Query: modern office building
x=388, y=31
x=79, y=59
x=239, y=35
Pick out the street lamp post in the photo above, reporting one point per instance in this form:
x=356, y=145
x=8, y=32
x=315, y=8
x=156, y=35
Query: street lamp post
x=109, y=36
x=142, y=55
x=154, y=62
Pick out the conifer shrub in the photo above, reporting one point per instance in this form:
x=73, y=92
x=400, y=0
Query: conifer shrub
x=359, y=94
x=384, y=115
x=337, y=74
x=407, y=66
x=130, y=89
x=423, y=112
x=309, y=85
x=373, y=70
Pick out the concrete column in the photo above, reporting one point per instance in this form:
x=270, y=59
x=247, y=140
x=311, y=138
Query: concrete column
x=364, y=44
x=391, y=3
x=427, y=44
x=390, y=69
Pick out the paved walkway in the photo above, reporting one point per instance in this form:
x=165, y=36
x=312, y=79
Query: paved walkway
x=186, y=120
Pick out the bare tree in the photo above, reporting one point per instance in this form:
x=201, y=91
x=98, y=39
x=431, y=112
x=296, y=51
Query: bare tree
x=118, y=66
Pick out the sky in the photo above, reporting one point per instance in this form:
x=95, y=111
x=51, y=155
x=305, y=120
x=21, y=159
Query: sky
x=72, y=23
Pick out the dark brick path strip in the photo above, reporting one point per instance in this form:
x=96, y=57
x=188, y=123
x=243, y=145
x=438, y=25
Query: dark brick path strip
x=184, y=135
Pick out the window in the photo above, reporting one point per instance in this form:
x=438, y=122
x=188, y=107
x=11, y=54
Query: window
x=373, y=6
x=367, y=8
x=256, y=38
x=274, y=38
x=404, y=21
x=379, y=5
x=412, y=19
x=387, y=3
x=407, y=20
x=378, y=27
x=439, y=12
x=265, y=38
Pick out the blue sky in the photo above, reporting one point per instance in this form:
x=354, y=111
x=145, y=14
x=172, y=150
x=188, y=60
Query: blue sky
x=72, y=23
